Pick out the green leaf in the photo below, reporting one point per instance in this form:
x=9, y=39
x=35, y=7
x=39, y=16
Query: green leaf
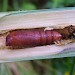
x=57, y=3
x=28, y=6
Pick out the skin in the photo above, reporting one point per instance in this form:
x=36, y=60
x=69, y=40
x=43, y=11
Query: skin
x=32, y=38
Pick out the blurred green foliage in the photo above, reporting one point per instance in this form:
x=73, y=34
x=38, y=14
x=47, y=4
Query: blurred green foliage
x=28, y=6
x=62, y=66
x=10, y=5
